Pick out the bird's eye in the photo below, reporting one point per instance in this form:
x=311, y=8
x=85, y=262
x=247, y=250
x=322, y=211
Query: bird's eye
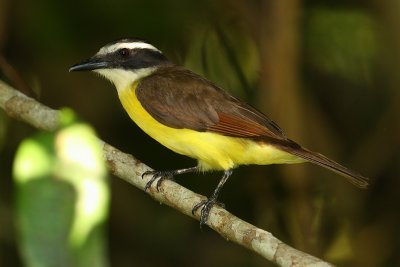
x=124, y=52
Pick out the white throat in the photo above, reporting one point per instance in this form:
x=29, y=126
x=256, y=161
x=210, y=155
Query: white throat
x=122, y=79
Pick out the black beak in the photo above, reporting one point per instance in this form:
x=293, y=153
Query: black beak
x=92, y=63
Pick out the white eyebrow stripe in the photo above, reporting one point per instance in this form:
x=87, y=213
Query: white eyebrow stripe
x=130, y=45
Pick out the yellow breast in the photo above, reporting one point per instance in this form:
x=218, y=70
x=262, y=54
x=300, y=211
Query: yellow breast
x=213, y=151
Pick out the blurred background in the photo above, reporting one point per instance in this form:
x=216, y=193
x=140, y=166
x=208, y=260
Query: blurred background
x=328, y=72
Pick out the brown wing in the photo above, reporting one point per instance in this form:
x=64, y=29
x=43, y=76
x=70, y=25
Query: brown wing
x=181, y=99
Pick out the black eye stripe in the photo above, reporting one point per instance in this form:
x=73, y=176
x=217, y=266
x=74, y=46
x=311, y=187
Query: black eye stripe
x=124, y=52
x=133, y=59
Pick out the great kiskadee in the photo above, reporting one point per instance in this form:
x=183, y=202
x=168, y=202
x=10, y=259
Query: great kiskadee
x=192, y=116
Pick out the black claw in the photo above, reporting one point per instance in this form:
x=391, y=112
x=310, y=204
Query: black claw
x=147, y=173
x=161, y=175
x=206, y=206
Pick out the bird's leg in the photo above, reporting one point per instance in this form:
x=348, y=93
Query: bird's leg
x=162, y=175
x=207, y=204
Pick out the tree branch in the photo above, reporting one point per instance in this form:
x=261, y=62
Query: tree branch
x=128, y=168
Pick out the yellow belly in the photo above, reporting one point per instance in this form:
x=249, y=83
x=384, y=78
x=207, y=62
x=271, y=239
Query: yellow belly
x=213, y=151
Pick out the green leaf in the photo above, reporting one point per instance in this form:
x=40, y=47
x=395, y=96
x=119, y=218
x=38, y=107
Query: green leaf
x=62, y=196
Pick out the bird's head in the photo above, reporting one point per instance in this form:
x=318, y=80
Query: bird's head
x=124, y=61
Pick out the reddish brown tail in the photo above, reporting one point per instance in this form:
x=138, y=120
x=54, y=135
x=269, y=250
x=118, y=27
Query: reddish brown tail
x=319, y=159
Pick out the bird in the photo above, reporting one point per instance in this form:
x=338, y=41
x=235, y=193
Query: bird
x=192, y=116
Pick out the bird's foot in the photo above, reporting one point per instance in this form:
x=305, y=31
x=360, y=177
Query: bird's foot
x=206, y=206
x=160, y=175
x=165, y=175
